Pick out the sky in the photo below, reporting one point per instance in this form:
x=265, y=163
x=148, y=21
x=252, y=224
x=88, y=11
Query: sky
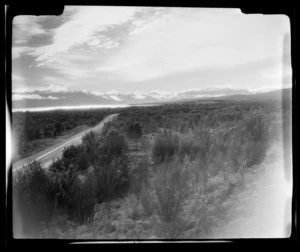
x=109, y=49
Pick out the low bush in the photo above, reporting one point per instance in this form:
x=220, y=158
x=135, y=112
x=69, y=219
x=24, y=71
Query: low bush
x=112, y=145
x=134, y=131
x=83, y=192
x=189, y=147
x=139, y=178
x=112, y=178
x=147, y=201
x=90, y=143
x=32, y=198
x=61, y=179
x=255, y=128
x=71, y=153
x=171, y=188
x=73, y=190
x=111, y=164
x=166, y=145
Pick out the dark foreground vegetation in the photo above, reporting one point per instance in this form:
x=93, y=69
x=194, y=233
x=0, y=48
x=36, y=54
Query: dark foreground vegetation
x=154, y=172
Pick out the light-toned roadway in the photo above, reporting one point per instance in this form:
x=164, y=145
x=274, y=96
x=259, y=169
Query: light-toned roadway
x=46, y=156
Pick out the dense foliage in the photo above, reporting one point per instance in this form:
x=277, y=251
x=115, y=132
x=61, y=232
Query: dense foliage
x=32, y=202
x=92, y=172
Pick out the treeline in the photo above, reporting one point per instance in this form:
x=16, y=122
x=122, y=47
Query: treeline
x=186, y=117
x=36, y=125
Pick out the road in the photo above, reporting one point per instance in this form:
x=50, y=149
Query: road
x=46, y=156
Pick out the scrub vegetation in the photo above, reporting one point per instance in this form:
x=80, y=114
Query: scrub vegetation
x=160, y=172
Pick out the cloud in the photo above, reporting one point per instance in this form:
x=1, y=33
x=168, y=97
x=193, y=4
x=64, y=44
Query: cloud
x=25, y=27
x=55, y=84
x=82, y=27
x=99, y=47
x=17, y=51
x=55, y=88
x=50, y=79
x=75, y=44
x=159, y=94
x=183, y=40
x=70, y=65
x=99, y=94
x=116, y=98
x=19, y=84
x=52, y=88
x=17, y=78
x=139, y=95
x=280, y=74
x=75, y=47
x=18, y=96
x=265, y=89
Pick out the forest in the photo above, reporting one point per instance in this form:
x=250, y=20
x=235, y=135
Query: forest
x=161, y=172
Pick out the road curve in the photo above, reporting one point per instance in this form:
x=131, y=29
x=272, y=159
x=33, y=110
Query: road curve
x=46, y=156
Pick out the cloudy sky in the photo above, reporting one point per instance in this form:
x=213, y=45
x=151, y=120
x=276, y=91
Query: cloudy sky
x=130, y=49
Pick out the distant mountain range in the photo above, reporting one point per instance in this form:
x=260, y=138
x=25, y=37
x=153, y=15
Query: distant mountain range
x=75, y=98
x=278, y=95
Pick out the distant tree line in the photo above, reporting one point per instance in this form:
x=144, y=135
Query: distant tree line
x=36, y=125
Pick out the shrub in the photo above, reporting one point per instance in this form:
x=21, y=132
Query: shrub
x=256, y=153
x=90, y=143
x=250, y=141
x=112, y=178
x=166, y=145
x=236, y=153
x=32, y=198
x=62, y=178
x=139, y=178
x=147, y=201
x=256, y=126
x=189, y=147
x=112, y=145
x=111, y=165
x=171, y=188
x=202, y=147
x=73, y=190
x=83, y=192
x=83, y=161
x=135, y=130
x=71, y=153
